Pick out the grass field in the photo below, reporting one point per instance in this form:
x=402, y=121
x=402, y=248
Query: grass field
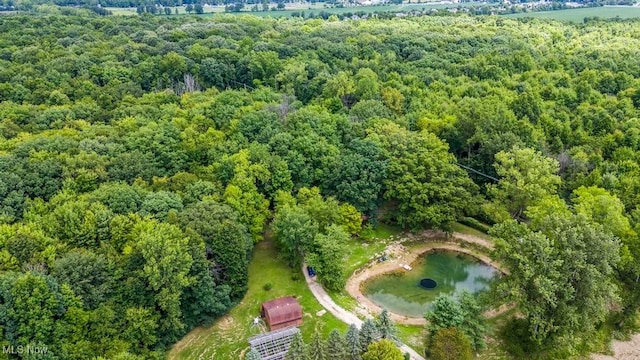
x=181, y=10
x=354, y=9
x=578, y=15
x=227, y=337
x=307, y=8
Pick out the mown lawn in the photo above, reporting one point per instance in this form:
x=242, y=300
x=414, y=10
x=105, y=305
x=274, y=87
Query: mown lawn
x=464, y=229
x=227, y=338
x=360, y=251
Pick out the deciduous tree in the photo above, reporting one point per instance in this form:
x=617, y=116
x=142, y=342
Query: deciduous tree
x=450, y=344
x=525, y=177
x=383, y=350
x=560, y=275
x=423, y=183
x=326, y=255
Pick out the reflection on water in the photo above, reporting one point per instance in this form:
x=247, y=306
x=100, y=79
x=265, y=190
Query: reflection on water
x=452, y=271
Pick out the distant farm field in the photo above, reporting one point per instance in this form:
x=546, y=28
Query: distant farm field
x=578, y=15
x=311, y=8
x=366, y=9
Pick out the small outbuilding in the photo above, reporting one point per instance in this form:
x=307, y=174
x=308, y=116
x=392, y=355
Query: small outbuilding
x=281, y=313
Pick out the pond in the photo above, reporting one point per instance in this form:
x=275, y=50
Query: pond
x=401, y=293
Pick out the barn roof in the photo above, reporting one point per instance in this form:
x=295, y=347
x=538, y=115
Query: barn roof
x=282, y=310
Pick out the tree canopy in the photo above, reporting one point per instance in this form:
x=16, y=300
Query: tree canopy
x=142, y=158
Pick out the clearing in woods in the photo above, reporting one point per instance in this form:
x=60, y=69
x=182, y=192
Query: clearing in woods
x=227, y=337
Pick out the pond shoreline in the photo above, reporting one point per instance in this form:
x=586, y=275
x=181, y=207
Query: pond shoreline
x=409, y=257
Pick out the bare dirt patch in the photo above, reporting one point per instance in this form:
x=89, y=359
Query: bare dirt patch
x=467, y=238
x=623, y=350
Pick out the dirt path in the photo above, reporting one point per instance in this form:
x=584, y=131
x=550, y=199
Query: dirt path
x=623, y=350
x=343, y=315
x=468, y=238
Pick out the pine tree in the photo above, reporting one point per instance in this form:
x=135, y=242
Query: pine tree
x=336, y=346
x=368, y=333
x=354, y=348
x=252, y=355
x=297, y=349
x=317, y=349
x=385, y=326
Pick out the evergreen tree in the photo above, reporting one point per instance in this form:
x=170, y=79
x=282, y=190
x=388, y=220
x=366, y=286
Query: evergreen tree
x=385, y=326
x=317, y=349
x=474, y=321
x=336, y=346
x=354, y=347
x=368, y=333
x=252, y=355
x=297, y=349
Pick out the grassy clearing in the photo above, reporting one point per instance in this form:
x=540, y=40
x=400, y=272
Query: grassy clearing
x=578, y=15
x=495, y=347
x=360, y=251
x=413, y=336
x=227, y=337
x=464, y=229
x=384, y=231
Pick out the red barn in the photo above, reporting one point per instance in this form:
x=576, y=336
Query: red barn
x=282, y=312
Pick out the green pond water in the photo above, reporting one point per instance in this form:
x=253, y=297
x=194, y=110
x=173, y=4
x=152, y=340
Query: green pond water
x=401, y=292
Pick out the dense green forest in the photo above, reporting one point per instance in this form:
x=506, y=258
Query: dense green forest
x=141, y=158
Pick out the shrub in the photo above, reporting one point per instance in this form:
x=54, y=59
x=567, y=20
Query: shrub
x=267, y=286
x=450, y=344
x=383, y=350
x=474, y=223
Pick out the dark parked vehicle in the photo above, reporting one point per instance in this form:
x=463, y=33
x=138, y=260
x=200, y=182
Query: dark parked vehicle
x=311, y=272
